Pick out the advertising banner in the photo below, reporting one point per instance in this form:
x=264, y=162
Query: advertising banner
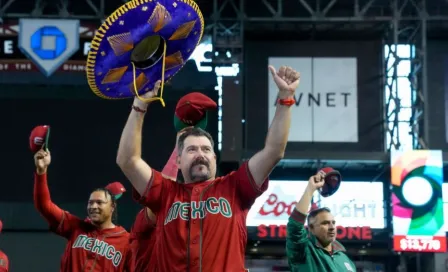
x=417, y=201
x=59, y=49
x=48, y=43
x=355, y=204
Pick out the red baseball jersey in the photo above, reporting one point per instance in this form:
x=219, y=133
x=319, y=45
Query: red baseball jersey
x=202, y=226
x=142, y=241
x=88, y=248
x=92, y=249
x=4, y=262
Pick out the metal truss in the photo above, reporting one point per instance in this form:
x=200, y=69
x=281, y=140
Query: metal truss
x=325, y=10
x=227, y=34
x=79, y=9
x=415, y=33
x=401, y=21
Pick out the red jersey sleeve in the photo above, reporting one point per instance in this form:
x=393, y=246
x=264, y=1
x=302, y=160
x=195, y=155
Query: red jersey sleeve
x=155, y=193
x=245, y=185
x=60, y=221
x=142, y=225
x=4, y=262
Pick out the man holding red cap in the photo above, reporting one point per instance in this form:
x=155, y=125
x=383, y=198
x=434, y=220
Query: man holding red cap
x=4, y=262
x=203, y=221
x=317, y=248
x=96, y=244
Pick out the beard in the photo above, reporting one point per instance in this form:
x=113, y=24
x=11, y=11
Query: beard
x=203, y=175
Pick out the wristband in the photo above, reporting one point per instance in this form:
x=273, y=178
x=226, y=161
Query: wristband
x=137, y=109
x=286, y=102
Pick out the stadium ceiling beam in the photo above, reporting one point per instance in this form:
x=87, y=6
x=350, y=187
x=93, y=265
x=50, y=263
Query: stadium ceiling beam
x=334, y=11
x=59, y=9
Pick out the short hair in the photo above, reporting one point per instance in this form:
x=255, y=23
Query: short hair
x=316, y=212
x=196, y=132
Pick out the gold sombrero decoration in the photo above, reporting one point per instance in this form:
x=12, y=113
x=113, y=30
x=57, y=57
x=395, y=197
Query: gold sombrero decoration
x=142, y=42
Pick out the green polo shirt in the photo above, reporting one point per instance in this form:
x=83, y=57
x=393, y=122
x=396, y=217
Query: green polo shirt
x=305, y=254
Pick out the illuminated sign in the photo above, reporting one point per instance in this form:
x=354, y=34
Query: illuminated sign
x=355, y=204
x=417, y=201
x=445, y=205
x=48, y=43
x=343, y=233
x=13, y=59
x=51, y=51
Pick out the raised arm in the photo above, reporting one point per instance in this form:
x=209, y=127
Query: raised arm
x=129, y=157
x=42, y=199
x=297, y=236
x=262, y=163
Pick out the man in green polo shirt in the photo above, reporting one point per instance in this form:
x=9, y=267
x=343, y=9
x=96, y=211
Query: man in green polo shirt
x=315, y=250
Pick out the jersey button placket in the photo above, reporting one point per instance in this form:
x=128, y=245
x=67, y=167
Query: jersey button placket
x=195, y=228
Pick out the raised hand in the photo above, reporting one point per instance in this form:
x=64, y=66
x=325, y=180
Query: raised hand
x=287, y=80
x=154, y=91
x=42, y=160
x=151, y=94
x=317, y=181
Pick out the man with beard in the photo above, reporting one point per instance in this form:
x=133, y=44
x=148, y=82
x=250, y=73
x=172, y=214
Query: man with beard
x=194, y=106
x=4, y=262
x=202, y=221
x=317, y=249
x=93, y=245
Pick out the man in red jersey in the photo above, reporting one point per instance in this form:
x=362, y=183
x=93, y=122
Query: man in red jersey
x=93, y=245
x=202, y=222
x=143, y=237
x=4, y=262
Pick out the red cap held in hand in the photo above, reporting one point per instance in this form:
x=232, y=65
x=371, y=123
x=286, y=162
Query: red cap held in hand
x=39, y=136
x=332, y=181
x=191, y=110
x=116, y=189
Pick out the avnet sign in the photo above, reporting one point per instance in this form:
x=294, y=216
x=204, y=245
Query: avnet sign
x=326, y=108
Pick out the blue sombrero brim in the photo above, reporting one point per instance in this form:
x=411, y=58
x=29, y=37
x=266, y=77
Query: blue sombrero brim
x=109, y=69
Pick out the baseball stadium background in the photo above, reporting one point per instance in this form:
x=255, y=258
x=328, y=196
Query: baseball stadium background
x=374, y=87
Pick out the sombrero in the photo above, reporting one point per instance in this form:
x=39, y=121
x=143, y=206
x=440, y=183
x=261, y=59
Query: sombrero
x=142, y=42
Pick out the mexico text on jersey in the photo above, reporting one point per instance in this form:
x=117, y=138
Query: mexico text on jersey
x=199, y=209
x=101, y=248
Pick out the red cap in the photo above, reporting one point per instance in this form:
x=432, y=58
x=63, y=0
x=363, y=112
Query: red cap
x=116, y=189
x=332, y=181
x=39, y=136
x=192, y=108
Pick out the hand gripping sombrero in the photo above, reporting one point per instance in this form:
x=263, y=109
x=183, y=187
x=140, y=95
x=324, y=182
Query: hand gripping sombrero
x=142, y=42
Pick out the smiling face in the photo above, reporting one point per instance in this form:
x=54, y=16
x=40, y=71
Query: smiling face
x=197, y=160
x=100, y=207
x=323, y=226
